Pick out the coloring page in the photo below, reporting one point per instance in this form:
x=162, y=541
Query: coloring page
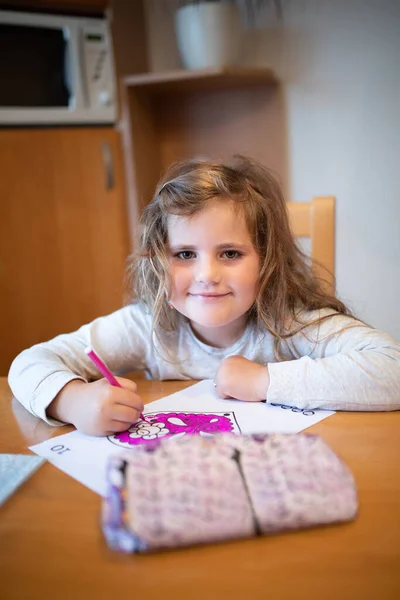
x=167, y=424
x=194, y=410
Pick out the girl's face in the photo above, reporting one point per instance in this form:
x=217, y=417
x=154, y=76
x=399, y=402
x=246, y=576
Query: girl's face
x=214, y=271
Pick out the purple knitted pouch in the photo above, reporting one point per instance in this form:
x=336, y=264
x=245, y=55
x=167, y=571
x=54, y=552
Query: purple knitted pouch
x=195, y=489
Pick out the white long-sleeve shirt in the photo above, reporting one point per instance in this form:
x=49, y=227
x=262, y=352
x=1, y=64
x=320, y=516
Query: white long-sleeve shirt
x=340, y=364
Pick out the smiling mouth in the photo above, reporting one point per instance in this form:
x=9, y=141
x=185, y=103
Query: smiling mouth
x=210, y=296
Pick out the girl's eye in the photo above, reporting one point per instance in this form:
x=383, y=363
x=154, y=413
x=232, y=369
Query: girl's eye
x=231, y=254
x=185, y=255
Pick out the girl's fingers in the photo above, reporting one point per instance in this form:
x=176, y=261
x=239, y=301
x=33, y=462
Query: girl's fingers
x=116, y=427
x=127, y=384
x=125, y=414
x=218, y=389
x=127, y=398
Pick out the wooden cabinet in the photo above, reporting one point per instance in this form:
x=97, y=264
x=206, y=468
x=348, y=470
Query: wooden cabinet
x=63, y=232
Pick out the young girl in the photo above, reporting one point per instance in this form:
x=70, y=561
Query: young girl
x=224, y=293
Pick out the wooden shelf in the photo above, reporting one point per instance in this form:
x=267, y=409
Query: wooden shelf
x=181, y=114
x=200, y=80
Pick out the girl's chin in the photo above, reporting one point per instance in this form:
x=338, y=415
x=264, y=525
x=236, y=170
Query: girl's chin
x=209, y=322
x=207, y=318
x=214, y=325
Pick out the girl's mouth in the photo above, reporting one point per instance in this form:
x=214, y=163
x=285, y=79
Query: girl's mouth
x=209, y=296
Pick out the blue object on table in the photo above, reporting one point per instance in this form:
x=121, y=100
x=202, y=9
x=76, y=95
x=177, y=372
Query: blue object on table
x=14, y=470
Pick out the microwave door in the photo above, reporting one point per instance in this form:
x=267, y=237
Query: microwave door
x=34, y=67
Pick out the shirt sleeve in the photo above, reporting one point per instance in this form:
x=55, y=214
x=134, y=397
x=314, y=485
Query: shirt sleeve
x=342, y=365
x=39, y=373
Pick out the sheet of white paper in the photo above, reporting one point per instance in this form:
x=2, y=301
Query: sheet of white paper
x=85, y=458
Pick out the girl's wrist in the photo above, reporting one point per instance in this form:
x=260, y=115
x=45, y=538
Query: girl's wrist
x=262, y=383
x=63, y=406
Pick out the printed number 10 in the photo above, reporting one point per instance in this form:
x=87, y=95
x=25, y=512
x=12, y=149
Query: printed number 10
x=60, y=449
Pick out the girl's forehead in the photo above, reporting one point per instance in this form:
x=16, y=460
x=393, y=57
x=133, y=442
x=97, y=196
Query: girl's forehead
x=218, y=219
x=227, y=209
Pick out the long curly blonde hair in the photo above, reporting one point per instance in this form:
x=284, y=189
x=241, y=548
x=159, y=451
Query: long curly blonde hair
x=287, y=284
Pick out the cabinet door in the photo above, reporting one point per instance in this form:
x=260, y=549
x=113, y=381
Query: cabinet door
x=63, y=232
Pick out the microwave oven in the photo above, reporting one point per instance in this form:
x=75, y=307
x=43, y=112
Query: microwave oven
x=55, y=69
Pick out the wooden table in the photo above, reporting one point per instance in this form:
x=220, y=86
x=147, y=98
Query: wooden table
x=51, y=545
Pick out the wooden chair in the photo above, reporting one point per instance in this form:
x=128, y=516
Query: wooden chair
x=316, y=220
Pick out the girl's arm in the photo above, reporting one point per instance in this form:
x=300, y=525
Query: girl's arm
x=38, y=374
x=341, y=364
x=351, y=366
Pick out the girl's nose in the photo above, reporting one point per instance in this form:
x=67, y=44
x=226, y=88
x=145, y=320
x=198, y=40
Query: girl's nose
x=207, y=271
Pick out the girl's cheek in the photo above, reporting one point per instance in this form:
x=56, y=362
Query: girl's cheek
x=178, y=281
x=180, y=275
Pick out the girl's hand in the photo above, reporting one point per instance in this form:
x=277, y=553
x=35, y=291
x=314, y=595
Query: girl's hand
x=97, y=408
x=243, y=379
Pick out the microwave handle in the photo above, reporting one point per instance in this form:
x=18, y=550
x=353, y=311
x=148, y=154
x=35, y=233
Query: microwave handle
x=108, y=165
x=68, y=65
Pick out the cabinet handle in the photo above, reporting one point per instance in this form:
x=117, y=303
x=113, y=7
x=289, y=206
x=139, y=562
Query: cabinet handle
x=108, y=165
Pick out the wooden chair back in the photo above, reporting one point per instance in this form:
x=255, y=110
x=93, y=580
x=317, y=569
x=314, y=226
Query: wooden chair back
x=316, y=220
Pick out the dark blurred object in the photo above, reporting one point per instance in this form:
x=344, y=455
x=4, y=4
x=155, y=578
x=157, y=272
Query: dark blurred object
x=37, y=77
x=91, y=8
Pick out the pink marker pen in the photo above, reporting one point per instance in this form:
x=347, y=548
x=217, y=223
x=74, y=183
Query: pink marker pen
x=105, y=371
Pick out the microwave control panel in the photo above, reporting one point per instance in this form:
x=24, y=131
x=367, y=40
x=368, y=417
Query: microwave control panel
x=97, y=65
